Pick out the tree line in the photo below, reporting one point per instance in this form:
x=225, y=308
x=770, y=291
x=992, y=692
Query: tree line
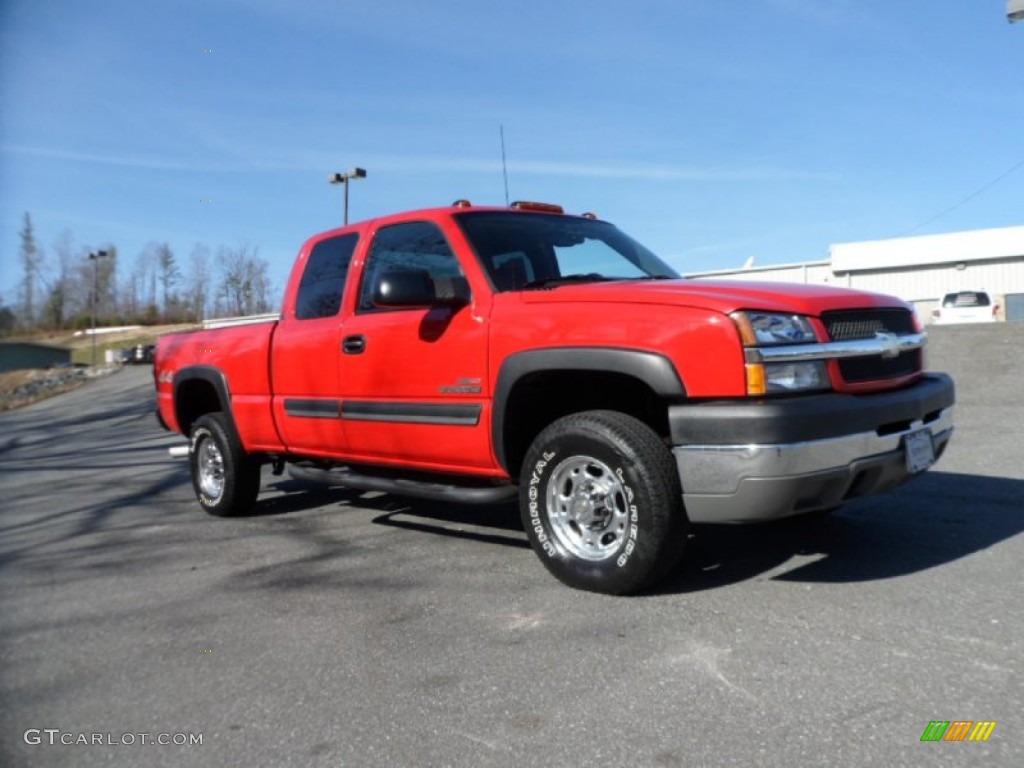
x=62, y=289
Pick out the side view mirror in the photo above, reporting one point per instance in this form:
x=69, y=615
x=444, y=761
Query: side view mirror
x=415, y=288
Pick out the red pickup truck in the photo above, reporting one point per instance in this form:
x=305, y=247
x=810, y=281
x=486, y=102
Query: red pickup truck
x=476, y=354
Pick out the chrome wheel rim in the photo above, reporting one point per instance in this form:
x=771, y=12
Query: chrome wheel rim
x=587, y=508
x=210, y=463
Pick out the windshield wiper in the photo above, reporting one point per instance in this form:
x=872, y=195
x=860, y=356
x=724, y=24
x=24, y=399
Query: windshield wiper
x=554, y=282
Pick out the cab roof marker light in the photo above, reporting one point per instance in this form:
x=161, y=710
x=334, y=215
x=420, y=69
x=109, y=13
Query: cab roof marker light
x=589, y=215
x=527, y=205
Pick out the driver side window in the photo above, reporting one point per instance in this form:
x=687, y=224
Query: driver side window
x=418, y=245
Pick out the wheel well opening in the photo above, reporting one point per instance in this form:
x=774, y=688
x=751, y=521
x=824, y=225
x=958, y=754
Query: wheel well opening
x=194, y=399
x=540, y=398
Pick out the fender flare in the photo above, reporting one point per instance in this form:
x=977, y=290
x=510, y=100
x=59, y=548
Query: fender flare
x=215, y=378
x=653, y=369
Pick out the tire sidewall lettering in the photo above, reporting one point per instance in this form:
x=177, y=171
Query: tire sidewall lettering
x=533, y=494
x=634, y=520
x=197, y=435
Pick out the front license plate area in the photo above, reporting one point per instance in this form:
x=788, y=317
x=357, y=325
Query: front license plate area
x=920, y=450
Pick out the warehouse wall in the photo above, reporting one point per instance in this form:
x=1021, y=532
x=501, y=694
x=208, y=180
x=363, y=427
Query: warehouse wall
x=930, y=283
x=923, y=286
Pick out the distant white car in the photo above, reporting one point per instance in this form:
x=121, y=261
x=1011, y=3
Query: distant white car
x=965, y=307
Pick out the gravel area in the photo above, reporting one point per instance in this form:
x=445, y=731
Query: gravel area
x=21, y=388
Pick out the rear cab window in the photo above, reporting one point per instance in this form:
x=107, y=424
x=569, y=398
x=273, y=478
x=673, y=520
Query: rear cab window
x=323, y=280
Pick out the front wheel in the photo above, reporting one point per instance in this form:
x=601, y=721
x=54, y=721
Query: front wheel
x=601, y=502
x=226, y=479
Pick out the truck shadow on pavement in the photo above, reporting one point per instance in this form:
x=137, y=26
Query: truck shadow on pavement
x=497, y=524
x=937, y=519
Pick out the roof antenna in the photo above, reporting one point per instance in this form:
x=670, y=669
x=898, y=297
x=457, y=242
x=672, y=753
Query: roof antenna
x=504, y=167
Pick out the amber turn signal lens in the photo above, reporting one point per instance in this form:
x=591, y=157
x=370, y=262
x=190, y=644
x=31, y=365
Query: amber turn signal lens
x=756, y=384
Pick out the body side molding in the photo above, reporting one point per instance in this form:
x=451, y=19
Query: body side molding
x=312, y=408
x=452, y=414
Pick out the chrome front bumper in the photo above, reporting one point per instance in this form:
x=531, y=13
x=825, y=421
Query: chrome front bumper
x=740, y=481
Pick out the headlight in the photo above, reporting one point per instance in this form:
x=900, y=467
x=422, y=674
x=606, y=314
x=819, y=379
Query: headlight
x=767, y=329
x=760, y=329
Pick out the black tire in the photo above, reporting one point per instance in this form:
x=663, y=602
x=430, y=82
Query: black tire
x=601, y=503
x=226, y=479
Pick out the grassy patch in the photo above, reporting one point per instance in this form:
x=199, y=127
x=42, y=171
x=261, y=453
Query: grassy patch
x=81, y=346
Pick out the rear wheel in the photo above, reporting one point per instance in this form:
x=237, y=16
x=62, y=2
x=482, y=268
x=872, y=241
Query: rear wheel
x=226, y=479
x=601, y=502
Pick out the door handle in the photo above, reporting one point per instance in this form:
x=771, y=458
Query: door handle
x=353, y=345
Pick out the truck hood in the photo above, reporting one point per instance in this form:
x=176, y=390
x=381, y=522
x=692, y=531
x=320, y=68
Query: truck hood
x=723, y=296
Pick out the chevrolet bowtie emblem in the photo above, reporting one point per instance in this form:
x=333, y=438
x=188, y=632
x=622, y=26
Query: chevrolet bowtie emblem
x=890, y=344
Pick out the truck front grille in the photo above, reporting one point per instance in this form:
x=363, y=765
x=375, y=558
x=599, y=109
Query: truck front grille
x=852, y=325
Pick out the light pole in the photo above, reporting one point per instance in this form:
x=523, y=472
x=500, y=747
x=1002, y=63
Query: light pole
x=94, y=257
x=344, y=179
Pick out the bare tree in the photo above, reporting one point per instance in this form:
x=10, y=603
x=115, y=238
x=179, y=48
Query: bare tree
x=62, y=299
x=129, y=295
x=144, y=274
x=261, y=288
x=244, y=283
x=197, y=289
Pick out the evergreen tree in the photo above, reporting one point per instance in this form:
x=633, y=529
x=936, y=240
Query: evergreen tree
x=31, y=264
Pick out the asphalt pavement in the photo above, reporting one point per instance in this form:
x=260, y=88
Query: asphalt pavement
x=335, y=628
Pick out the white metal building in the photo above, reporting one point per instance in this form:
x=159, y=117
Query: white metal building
x=918, y=269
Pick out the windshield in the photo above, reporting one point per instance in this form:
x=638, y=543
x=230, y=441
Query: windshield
x=537, y=250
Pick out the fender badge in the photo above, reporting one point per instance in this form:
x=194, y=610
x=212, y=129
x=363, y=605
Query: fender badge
x=464, y=386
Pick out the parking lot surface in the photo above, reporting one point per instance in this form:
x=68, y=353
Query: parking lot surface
x=346, y=629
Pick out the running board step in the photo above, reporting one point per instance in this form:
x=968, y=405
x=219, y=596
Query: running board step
x=421, y=489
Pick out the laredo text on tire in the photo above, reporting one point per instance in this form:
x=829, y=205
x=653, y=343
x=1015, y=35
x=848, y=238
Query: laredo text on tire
x=226, y=479
x=601, y=502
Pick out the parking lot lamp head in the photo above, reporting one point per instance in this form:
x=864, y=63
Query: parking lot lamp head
x=344, y=179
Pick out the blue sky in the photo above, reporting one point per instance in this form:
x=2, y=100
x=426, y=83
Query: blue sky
x=711, y=131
